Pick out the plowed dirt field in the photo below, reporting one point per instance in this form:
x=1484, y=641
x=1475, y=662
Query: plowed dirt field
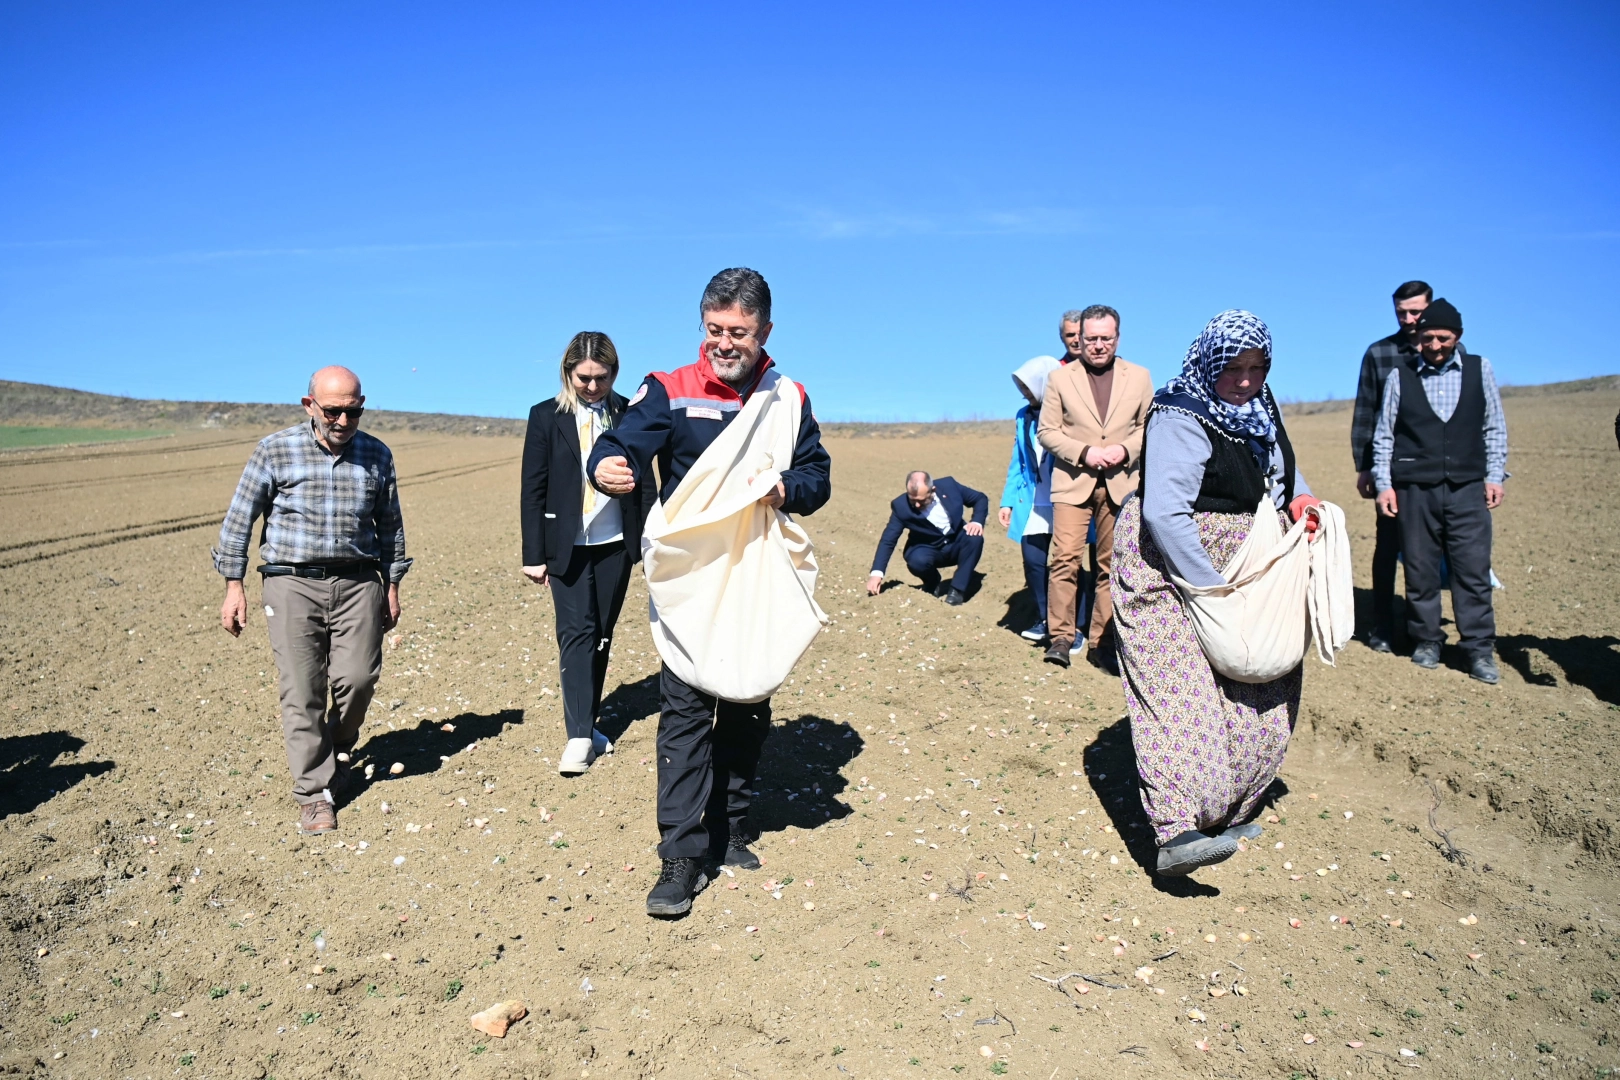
x=954, y=850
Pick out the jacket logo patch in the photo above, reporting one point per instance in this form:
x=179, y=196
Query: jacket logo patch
x=640, y=393
x=696, y=412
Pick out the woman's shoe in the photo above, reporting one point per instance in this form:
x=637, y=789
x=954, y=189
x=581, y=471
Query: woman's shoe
x=1192, y=850
x=576, y=757
x=1251, y=831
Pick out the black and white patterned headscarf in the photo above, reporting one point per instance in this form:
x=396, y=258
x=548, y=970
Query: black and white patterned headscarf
x=1226, y=335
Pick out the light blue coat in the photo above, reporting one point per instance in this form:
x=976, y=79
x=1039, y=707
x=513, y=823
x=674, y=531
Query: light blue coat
x=1023, y=472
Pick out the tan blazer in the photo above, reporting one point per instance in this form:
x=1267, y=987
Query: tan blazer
x=1070, y=424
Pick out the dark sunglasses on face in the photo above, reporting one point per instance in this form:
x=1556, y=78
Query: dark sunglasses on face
x=353, y=412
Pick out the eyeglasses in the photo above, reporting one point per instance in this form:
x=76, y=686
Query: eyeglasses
x=353, y=412
x=733, y=335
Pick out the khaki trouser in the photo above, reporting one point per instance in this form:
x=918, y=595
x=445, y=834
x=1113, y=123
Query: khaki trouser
x=327, y=639
x=1069, y=527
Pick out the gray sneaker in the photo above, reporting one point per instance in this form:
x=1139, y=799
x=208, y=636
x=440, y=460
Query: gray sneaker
x=1251, y=831
x=1192, y=850
x=1484, y=669
x=1427, y=654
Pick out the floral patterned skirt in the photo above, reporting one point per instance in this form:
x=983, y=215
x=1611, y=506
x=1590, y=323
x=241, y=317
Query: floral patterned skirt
x=1206, y=747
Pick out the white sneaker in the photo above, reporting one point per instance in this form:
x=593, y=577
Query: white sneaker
x=576, y=757
x=1078, y=648
x=600, y=743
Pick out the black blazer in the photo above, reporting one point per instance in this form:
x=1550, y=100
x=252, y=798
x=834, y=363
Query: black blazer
x=550, y=504
x=953, y=496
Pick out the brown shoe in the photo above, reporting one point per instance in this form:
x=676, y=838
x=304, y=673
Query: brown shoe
x=317, y=817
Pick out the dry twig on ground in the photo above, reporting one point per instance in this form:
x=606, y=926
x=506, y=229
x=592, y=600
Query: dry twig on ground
x=1451, y=851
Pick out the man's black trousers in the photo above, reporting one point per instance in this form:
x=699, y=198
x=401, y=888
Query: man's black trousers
x=708, y=751
x=1386, y=556
x=587, y=594
x=1450, y=520
x=961, y=551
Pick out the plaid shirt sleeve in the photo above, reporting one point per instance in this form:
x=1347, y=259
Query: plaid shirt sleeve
x=390, y=525
x=1365, y=418
x=251, y=501
x=1383, y=440
x=1496, y=444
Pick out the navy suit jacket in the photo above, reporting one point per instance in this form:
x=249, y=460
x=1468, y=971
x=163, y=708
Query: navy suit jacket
x=920, y=531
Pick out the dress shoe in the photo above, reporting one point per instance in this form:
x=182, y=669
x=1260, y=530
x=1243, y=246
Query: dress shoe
x=955, y=597
x=1484, y=669
x=1379, y=642
x=1057, y=653
x=1427, y=654
x=315, y=817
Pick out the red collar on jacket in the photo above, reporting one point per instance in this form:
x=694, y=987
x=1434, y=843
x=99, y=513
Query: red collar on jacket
x=699, y=382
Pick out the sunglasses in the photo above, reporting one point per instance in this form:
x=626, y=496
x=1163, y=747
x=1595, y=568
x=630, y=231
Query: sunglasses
x=353, y=412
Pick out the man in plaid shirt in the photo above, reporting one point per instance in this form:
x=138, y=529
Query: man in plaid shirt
x=1381, y=358
x=1439, y=462
x=333, y=547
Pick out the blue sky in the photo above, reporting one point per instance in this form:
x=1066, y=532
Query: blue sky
x=208, y=201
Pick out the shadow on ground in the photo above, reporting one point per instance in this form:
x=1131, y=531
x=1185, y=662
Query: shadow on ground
x=799, y=778
x=1365, y=622
x=425, y=748
x=1112, y=772
x=1584, y=660
x=27, y=777
x=628, y=703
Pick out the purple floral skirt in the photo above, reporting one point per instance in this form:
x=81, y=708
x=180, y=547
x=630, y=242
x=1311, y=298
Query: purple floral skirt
x=1206, y=747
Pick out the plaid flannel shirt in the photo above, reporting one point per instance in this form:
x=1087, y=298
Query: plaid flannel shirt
x=318, y=507
x=1379, y=360
x=1443, y=386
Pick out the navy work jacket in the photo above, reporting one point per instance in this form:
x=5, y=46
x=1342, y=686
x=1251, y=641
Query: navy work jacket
x=674, y=417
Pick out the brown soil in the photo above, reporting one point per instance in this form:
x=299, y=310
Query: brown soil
x=962, y=818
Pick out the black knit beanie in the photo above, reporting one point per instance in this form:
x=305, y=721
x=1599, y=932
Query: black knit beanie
x=1440, y=315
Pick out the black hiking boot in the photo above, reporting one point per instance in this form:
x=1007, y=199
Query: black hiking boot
x=739, y=855
x=678, y=882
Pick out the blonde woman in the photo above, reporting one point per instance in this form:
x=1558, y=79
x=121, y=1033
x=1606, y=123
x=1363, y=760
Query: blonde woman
x=577, y=540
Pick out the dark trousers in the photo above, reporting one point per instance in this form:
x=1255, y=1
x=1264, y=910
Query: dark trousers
x=1035, y=549
x=587, y=595
x=708, y=751
x=961, y=551
x=1448, y=520
x=1386, y=556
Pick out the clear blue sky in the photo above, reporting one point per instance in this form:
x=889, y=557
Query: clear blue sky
x=210, y=200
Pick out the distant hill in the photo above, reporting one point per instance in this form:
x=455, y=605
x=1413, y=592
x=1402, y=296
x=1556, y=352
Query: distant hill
x=37, y=404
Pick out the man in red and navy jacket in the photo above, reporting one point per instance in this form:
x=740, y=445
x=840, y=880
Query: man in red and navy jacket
x=708, y=749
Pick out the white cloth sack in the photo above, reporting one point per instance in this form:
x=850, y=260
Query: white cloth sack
x=1281, y=591
x=733, y=582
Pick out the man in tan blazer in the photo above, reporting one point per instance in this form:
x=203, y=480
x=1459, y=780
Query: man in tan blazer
x=1092, y=420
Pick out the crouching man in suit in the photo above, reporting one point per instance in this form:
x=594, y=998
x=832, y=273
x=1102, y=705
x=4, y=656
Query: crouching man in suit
x=931, y=512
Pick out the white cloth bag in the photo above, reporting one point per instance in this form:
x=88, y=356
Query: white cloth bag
x=733, y=582
x=1280, y=591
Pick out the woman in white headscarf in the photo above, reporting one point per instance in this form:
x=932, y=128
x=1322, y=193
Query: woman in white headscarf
x=1026, y=498
x=1207, y=747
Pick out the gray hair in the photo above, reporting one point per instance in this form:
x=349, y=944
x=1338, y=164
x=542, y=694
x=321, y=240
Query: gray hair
x=738, y=287
x=1095, y=311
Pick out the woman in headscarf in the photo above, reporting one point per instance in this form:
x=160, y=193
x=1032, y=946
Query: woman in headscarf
x=1207, y=747
x=1026, y=498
